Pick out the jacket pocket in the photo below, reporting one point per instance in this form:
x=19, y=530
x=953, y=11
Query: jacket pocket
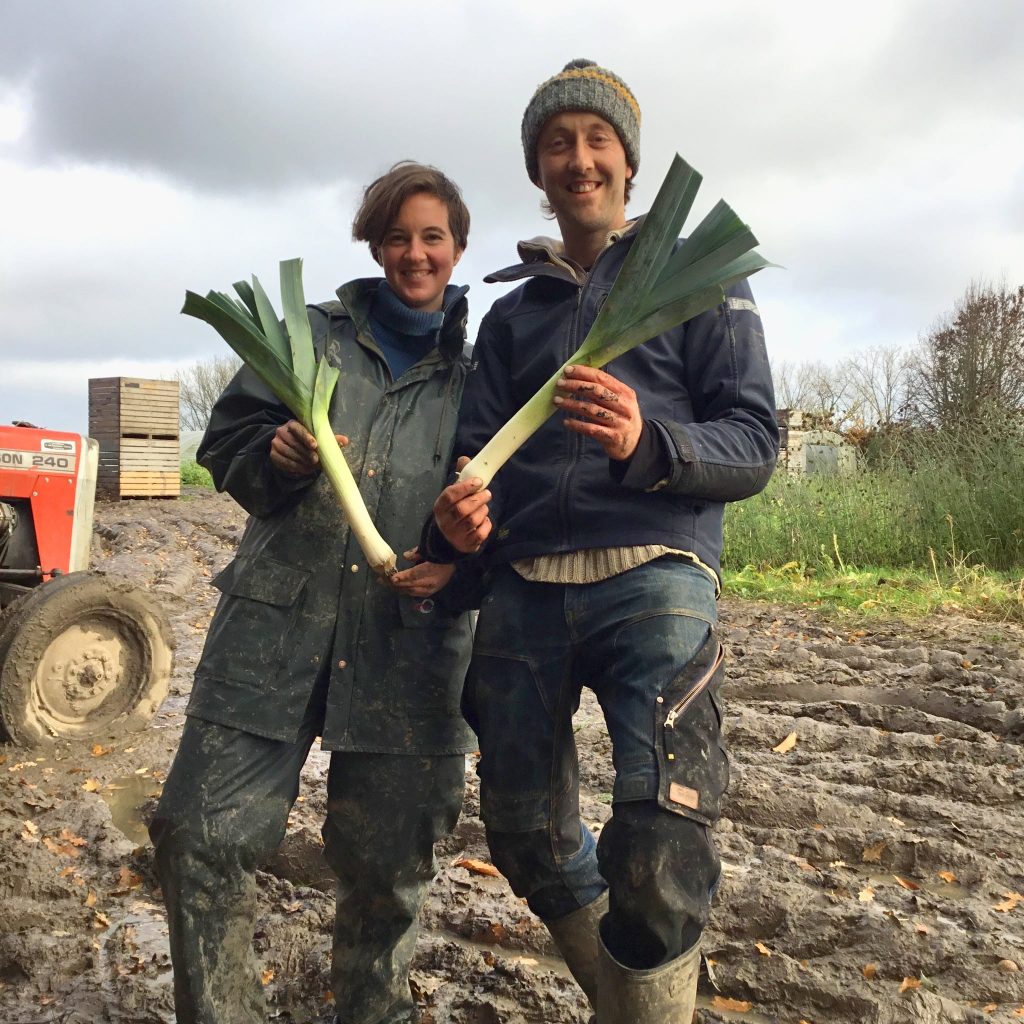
x=693, y=769
x=256, y=614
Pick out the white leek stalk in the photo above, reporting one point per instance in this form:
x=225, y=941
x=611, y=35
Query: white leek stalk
x=287, y=365
x=656, y=289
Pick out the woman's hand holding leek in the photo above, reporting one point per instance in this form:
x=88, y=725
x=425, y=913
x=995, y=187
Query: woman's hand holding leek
x=424, y=578
x=293, y=449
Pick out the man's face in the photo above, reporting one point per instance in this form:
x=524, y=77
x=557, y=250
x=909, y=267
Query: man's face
x=583, y=172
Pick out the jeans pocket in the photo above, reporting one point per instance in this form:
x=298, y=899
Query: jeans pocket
x=693, y=769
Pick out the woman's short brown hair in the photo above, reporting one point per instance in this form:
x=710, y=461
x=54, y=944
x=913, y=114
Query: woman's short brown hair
x=383, y=199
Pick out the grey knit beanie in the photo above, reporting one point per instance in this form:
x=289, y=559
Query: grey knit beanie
x=583, y=85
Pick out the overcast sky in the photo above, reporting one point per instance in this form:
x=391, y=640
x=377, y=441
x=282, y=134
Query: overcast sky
x=146, y=148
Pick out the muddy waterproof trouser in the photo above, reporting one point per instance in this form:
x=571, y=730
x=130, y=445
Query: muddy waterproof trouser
x=644, y=642
x=224, y=811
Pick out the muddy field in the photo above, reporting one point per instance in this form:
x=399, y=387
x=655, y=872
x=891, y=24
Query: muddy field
x=873, y=840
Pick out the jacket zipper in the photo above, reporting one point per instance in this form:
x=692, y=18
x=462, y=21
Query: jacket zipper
x=575, y=440
x=688, y=698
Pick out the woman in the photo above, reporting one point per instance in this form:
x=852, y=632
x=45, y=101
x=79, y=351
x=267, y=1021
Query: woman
x=306, y=642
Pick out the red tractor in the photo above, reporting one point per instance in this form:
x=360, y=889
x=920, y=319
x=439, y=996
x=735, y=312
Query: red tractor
x=80, y=652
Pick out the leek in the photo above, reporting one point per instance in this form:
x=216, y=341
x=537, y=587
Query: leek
x=659, y=287
x=286, y=363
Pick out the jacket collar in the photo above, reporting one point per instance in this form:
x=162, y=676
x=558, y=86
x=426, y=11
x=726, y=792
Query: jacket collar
x=357, y=297
x=545, y=257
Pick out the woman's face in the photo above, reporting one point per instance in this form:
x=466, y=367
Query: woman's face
x=419, y=253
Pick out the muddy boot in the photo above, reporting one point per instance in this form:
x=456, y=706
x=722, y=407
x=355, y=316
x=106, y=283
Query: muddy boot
x=576, y=938
x=662, y=995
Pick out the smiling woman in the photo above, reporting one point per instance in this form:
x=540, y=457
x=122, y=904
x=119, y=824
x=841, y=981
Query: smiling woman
x=305, y=643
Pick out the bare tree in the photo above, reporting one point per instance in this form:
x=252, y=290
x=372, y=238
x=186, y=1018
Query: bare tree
x=816, y=388
x=792, y=385
x=200, y=386
x=881, y=377
x=972, y=359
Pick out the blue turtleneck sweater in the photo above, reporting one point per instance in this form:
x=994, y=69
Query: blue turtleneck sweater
x=405, y=335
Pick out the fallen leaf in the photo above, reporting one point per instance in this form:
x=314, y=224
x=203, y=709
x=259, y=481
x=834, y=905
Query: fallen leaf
x=907, y=883
x=909, y=983
x=70, y=837
x=786, y=745
x=866, y=895
x=91, y=785
x=873, y=854
x=141, y=771
x=923, y=929
x=292, y=907
x=938, y=739
x=734, y=1005
x=478, y=867
x=61, y=849
x=763, y=949
x=869, y=971
x=990, y=1008
x=90, y=900
x=266, y=977
x=101, y=920
x=128, y=880
x=100, y=751
x=1012, y=899
x=1019, y=1012
x=947, y=876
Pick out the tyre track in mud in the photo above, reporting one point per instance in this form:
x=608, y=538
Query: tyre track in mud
x=907, y=764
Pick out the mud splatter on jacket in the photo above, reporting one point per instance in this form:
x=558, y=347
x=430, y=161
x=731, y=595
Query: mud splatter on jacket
x=299, y=590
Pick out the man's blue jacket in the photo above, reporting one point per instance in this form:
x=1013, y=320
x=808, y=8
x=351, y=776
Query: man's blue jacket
x=704, y=389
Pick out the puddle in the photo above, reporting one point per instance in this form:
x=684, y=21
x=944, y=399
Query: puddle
x=126, y=797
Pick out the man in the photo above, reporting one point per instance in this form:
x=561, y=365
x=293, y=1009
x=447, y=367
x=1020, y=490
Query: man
x=603, y=537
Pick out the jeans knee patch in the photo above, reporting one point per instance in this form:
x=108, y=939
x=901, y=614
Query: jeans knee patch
x=693, y=767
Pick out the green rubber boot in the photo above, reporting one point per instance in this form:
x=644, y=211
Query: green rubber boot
x=576, y=938
x=662, y=995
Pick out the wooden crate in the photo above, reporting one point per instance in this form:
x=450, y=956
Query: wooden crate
x=136, y=423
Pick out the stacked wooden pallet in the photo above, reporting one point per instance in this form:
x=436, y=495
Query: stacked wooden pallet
x=136, y=423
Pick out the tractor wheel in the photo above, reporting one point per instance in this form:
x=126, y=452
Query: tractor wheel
x=81, y=654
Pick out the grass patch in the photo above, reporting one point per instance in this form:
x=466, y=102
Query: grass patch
x=954, y=496
x=194, y=475
x=883, y=592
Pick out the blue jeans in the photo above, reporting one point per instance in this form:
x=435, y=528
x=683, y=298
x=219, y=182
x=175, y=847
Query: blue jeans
x=639, y=640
